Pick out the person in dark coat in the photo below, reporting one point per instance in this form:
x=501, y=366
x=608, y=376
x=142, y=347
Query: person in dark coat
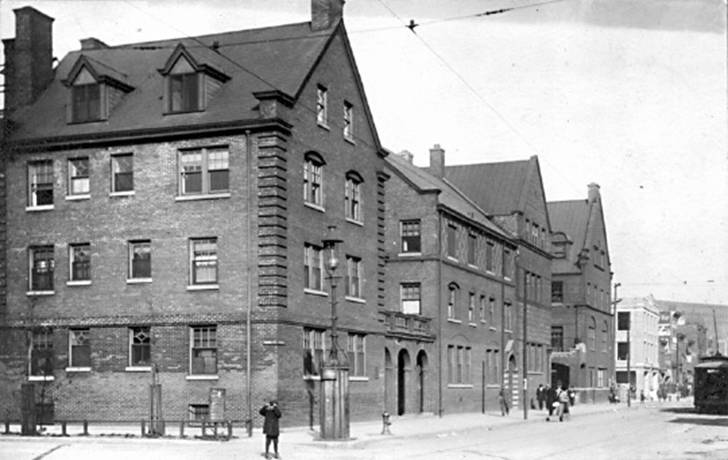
x=503, y=402
x=540, y=395
x=272, y=413
x=550, y=394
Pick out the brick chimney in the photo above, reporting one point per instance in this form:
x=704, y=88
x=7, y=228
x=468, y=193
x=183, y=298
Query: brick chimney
x=437, y=161
x=326, y=13
x=593, y=192
x=92, y=43
x=28, y=58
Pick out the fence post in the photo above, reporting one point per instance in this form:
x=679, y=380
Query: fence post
x=7, y=426
x=230, y=430
x=204, y=428
x=64, y=432
x=182, y=429
x=144, y=430
x=85, y=427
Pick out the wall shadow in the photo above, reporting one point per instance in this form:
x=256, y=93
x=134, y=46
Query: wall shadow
x=712, y=421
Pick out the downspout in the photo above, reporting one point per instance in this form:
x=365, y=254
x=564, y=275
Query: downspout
x=439, y=314
x=249, y=279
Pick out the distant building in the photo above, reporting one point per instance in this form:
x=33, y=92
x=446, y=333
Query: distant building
x=451, y=297
x=582, y=320
x=637, y=340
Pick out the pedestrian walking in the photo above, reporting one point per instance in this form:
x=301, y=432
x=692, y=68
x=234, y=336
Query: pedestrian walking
x=551, y=400
x=540, y=396
x=563, y=397
x=271, y=414
x=502, y=402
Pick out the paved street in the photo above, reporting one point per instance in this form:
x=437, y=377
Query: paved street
x=643, y=432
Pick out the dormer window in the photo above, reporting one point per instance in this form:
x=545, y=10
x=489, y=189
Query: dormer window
x=94, y=90
x=86, y=102
x=190, y=83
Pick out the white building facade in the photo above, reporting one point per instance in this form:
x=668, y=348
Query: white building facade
x=637, y=335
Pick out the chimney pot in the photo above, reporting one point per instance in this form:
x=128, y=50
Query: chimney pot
x=437, y=161
x=593, y=194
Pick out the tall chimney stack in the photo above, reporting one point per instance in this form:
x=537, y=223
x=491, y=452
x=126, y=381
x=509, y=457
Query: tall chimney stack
x=28, y=58
x=593, y=194
x=326, y=13
x=437, y=161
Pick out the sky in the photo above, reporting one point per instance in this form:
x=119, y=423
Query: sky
x=630, y=94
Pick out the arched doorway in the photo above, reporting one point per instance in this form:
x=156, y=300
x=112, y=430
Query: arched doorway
x=403, y=364
x=421, y=368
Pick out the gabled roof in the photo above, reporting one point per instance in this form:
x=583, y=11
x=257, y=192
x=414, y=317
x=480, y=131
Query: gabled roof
x=496, y=187
x=100, y=71
x=257, y=60
x=449, y=195
x=572, y=218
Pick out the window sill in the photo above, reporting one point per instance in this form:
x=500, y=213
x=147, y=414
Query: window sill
x=207, y=196
x=453, y=320
x=41, y=378
x=355, y=222
x=78, y=197
x=492, y=328
x=79, y=283
x=138, y=369
x=315, y=292
x=313, y=206
x=350, y=140
x=472, y=325
x=409, y=254
x=45, y=207
x=122, y=194
x=358, y=378
x=78, y=369
x=202, y=377
x=314, y=378
x=39, y=293
x=452, y=259
x=473, y=266
x=460, y=385
x=138, y=280
x=323, y=125
x=355, y=299
x=203, y=287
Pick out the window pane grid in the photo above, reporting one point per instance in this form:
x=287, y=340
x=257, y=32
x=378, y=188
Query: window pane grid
x=40, y=175
x=41, y=269
x=80, y=262
x=122, y=167
x=204, y=261
x=141, y=259
x=80, y=348
x=204, y=350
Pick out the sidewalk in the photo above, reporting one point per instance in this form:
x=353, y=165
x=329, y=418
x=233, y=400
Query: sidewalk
x=362, y=433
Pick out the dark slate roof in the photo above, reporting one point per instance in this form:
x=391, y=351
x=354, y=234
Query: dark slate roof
x=449, y=196
x=497, y=187
x=572, y=218
x=275, y=58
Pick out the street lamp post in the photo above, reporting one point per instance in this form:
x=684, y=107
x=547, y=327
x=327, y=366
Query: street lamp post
x=334, y=402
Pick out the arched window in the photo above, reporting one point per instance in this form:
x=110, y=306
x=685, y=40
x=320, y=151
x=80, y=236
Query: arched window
x=313, y=166
x=352, y=196
x=452, y=300
x=591, y=334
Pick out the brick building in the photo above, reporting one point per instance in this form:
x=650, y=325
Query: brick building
x=512, y=194
x=450, y=291
x=582, y=327
x=166, y=203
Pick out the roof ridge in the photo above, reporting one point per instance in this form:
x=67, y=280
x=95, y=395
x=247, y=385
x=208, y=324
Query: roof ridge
x=470, y=165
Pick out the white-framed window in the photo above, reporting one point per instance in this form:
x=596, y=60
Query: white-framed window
x=79, y=262
x=204, y=171
x=452, y=301
x=122, y=173
x=600, y=378
x=40, y=183
x=460, y=368
x=79, y=348
x=41, y=362
x=78, y=176
x=411, y=296
x=410, y=235
x=42, y=264
x=314, y=351
x=203, y=261
x=312, y=267
x=140, y=259
x=322, y=115
x=471, y=308
x=352, y=197
x=353, y=277
x=140, y=346
x=348, y=120
x=356, y=348
x=203, y=350
x=313, y=167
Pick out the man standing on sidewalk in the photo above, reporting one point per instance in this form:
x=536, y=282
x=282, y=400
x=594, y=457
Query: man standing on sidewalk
x=503, y=402
x=540, y=396
x=550, y=400
x=272, y=413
